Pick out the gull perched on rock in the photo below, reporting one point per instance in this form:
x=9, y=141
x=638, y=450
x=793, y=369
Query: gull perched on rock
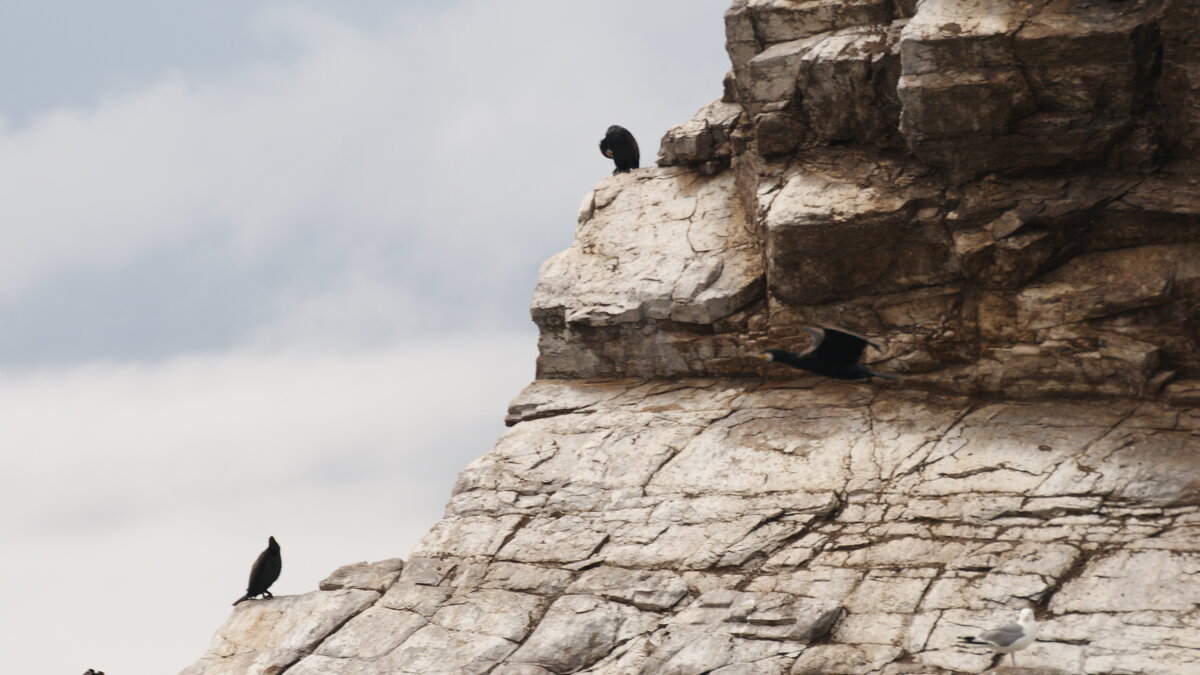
x=1010, y=638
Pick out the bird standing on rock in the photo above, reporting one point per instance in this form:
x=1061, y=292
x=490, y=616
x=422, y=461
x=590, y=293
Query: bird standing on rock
x=264, y=573
x=620, y=146
x=835, y=353
x=1010, y=638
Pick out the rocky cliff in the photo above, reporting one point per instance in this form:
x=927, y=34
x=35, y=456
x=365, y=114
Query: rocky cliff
x=1005, y=194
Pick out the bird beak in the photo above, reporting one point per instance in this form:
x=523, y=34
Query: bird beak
x=764, y=356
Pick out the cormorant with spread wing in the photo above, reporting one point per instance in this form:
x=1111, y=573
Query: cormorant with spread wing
x=835, y=353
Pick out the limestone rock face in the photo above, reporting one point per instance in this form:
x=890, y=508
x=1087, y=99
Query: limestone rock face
x=994, y=84
x=705, y=142
x=795, y=527
x=658, y=252
x=1005, y=195
x=932, y=171
x=269, y=636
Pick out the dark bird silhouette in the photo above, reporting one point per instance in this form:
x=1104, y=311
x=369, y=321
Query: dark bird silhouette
x=620, y=146
x=94, y=672
x=1010, y=638
x=264, y=573
x=835, y=353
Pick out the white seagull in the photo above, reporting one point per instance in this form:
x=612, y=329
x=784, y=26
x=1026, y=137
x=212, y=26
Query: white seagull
x=1010, y=638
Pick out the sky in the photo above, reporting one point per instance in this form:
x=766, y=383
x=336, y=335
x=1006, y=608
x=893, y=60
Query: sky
x=265, y=269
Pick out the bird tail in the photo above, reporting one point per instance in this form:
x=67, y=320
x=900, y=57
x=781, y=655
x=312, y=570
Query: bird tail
x=242, y=599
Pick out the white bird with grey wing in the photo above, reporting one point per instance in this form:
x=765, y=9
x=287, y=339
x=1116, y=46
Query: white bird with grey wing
x=1010, y=638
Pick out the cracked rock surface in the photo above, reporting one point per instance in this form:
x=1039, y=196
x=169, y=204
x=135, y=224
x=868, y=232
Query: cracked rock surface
x=791, y=527
x=658, y=251
x=1005, y=194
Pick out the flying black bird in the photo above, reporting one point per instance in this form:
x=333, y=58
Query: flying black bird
x=620, y=146
x=1010, y=638
x=264, y=573
x=835, y=354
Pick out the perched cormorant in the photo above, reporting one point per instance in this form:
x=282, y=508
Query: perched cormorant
x=835, y=354
x=1010, y=638
x=265, y=572
x=619, y=146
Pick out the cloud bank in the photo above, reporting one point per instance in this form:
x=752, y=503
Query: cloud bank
x=439, y=157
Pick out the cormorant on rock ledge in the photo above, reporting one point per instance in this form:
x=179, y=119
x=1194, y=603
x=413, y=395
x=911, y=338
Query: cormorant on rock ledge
x=620, y=146
x=264, y=573
x=835, y=353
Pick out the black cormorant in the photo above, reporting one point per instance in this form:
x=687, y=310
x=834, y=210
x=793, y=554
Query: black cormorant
x=835, y=353
x=265, y=572
x=619, y=146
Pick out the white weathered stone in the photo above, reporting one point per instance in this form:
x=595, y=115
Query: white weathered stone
x=578, y=631
x=434, y=649
x=366, y=576
x=634, y=249
x=1130, y=581
x=655, y=248
x=704, y=141
x=644, y=589
x=267, y=636
x=373, y=633
x=503, y=614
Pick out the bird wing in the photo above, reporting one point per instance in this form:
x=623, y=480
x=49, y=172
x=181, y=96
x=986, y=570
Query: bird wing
x=1003, y=636
x=838, y=345
x=637, y=155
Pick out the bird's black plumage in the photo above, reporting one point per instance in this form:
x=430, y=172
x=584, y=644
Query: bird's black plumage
x=93, y=672
x=620, y=146
x=835, y=354
x=265, y=571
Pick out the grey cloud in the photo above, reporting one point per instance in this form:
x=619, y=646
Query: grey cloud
x=442, y=154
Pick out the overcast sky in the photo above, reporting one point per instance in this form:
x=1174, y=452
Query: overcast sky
x=265, y=270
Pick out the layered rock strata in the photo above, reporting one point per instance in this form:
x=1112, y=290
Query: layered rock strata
x=929, y=171
x=1004, y=194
